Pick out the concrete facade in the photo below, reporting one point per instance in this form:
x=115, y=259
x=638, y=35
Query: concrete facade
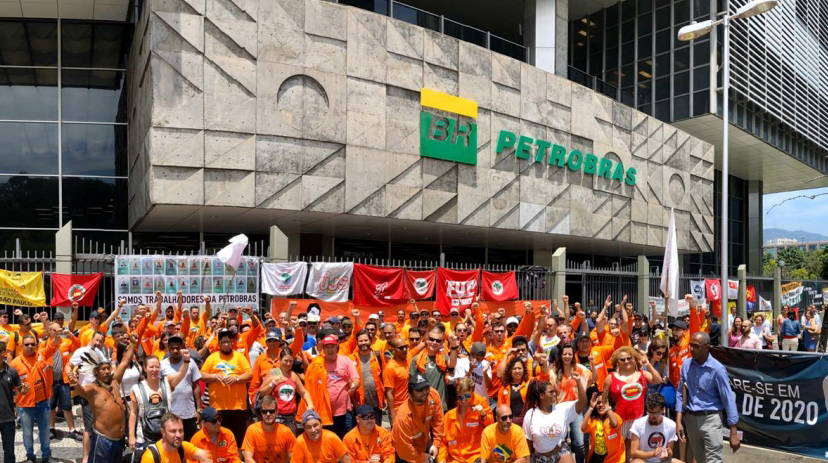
x=307, y=105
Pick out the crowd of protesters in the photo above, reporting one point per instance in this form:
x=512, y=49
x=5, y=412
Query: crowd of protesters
x=548, y=384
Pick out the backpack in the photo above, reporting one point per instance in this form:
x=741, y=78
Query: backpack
x=151, y=418
x=156, y=456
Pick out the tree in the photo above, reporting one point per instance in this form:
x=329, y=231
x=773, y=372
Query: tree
x=793, y=256
x=769, y=264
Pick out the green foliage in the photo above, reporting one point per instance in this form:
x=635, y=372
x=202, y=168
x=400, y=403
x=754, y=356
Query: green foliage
x=799, y=264
x=768, y=264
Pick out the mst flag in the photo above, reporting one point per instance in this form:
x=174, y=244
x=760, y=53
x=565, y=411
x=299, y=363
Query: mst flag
x=22, y=288
x=419, y=284
x=284, y=279
x=498, y=286
x=378, y=286
x=67, y=289
x=456, y=289
x=330, y=281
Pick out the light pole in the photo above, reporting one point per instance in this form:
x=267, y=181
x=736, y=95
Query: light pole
x=693, y=31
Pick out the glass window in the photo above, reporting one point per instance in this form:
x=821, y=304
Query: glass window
x=645, y=24
x=681, y=60
x=30, y=240
x=612, y=58
x=94, y=149
x=681, y=110
x=28, y=43
x=663, y=88
x=627, y=97
x=645, y=70
x=94, y=45
x=95, y=202
x=701, y=78
x=645, y=94
x=645, y=46
x=681, y=80
x=681, y=11
x=701, y=103
x=28, y=94
x=627, y=10
x=628, y=31
x=612, y=36
x=29, y=201
x=628, y=53
x=644, y=6
x=663, y=41
x=627, y=76
x=28, y=148
x=701, y=53
x=596, y=64
x=612, y=77
x=662, y=65
x=662, y=18
x=701, y=9
x=93, y=96
x=662, y=110
x=612, y=15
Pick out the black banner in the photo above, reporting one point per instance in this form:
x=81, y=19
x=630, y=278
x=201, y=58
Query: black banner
x=781, y=398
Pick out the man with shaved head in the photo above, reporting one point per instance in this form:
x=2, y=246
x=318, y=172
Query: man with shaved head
x=503, y=441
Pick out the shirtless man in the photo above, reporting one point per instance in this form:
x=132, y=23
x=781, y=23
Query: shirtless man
x=107, y=442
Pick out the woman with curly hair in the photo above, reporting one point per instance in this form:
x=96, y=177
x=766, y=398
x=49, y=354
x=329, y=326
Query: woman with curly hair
x=561, y=374
x=547, y=420
x=514, y=377
x=627, y=386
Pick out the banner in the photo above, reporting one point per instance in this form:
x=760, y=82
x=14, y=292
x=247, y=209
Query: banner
x=330, y=281
x=24, y=289
x=713, y=290
x=138, y=278
x=82, y=289
x=781, y=398
x=378, y=286
x=697, y=290
x=732, y=289
x=683, y=306
x=419, y=284
x=284, y=279
x=498, y=286
x=792, y=293
x=456, y=289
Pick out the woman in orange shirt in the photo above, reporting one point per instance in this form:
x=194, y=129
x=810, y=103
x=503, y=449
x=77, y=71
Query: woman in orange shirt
x=561, y=374
x=606, y=445
x=514, y=378
x=464, y=425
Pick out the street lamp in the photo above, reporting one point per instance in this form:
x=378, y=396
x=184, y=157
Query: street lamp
x=694, y=31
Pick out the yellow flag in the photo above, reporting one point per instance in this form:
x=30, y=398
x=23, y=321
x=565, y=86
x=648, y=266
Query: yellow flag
x=23, y=289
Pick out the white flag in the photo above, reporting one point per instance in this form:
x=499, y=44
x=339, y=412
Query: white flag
x=669, y=272
x=284, y=279
x=765, y=305
x=231, y=254
x=330, y=281
x=697, y=290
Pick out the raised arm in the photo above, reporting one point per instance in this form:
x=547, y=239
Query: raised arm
x=74, y=319
x=528, y=321
x=625, y=317
x=182, y=372
x=122, y=367
x=477, y=334
x=653, y=314
x=602, y=315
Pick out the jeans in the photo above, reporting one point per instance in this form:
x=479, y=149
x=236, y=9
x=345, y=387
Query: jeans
x=104, y=450
x=7, y=434
x=28, y=416
x=576, y=437
x=341, y=424
x=61, y=396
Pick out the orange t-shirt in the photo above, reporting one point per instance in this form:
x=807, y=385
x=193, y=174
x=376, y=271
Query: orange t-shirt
x=395, y=377
x=233, y=397
x=172, y=457
x=224, y=450
x=269, y=446
x=462, y=444
x=613, y=440
x=329, y=449
x=497, y=447
x=568, y=386
x=362, y=448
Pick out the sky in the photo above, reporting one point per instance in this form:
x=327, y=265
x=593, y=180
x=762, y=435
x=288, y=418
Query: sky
x=796, y=214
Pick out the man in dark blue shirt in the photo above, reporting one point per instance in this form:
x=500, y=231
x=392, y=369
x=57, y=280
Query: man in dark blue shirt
x=708, y=393
x=9, y=383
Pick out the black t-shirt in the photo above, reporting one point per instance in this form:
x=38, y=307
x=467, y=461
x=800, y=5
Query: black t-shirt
x=9, y=379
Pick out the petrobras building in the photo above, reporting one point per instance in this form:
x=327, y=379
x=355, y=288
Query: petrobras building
x=477, y=131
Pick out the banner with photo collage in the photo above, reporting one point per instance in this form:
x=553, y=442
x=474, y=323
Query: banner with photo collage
x=138, y=278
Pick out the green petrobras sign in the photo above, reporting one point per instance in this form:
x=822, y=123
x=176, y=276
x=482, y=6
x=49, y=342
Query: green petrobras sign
x=452, y=136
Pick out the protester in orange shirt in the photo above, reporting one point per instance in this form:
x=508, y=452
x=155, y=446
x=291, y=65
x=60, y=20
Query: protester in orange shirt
x=215, y=439
x=503, y=441
x=369, y=392
x=33, y=366
x=61, y=391
x=604, y=427
x=317, y=445
x=172, y=448
x=395, y=377
x=680, y=340
x=464, y=425
x=268, y=441
x=368, y=442
x=226, y=373
x=419, y=418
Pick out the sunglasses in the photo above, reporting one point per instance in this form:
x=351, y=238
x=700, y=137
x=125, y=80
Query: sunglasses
x=625, y=359
x=460, y=330
x=215, y=420
x=430, y=339
x=29, y=344
x=464, y=396
x=369, y=416
x=506, y=417
x=268, y=412
x=414, y=340
x=401, y=347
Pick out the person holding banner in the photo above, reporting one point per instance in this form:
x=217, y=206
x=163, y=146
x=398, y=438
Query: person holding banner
x=707, y=393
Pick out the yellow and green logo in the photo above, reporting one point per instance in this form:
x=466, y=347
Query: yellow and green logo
x=450, y=133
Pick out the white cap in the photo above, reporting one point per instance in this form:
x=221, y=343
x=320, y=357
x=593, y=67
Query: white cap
x=373, y=316
x=511, y=320
x=313, y=318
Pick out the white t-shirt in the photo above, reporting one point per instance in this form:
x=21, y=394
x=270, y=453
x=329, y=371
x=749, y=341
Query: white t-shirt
x=460, y=368
x=480, y=383
x=182, y=397
x=548, y=343
x=153, y=398
x=132, y=375
x=75, y=360
x=547, y=431
x=650, y=437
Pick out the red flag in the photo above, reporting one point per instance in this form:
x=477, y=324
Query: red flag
x=419, y=284
x=498, y=286
x=714, y=289
x=378, y=286
x=67, y=289
x=456, y=289
x=750, y=293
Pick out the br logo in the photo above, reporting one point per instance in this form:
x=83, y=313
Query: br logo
x=450, y=137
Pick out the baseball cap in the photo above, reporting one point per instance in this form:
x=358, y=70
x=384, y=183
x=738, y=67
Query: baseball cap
x=678, y=324
x=175, y=338
x=373, y=316
x=414, y=314
x=334, y=320
x=169, y=323
x=454, y=312
x=362, y=410
x=273, y=334
x=232, y=309
x=114, y=323
x=511, y=320
x=330, y=339
x=310, y=415
x=225, y=333
x=519, y=339
x=59, y=315
x=209, y=414
x=313, y=318
x=478, y=348
x=417, y=382
x=580, y=336
x=348, y=322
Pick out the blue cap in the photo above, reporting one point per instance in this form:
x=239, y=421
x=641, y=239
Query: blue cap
x=209, y=414
x=362, y=410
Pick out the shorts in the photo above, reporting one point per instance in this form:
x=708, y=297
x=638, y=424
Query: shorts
x=553, y=458
x=61, y=396
x=625, y=428
x=88, y=417
x=105, y=450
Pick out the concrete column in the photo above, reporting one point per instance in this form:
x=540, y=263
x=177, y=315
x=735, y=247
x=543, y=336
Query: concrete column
x=777, y=293
x=753, y=228
x=63, y=249
x=559, y=271
x=279, y=246
x=741, y=300
x=545, y=29
x=642, y=305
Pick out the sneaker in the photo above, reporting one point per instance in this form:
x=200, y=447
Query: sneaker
x=53, y=433
x=76, y=435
